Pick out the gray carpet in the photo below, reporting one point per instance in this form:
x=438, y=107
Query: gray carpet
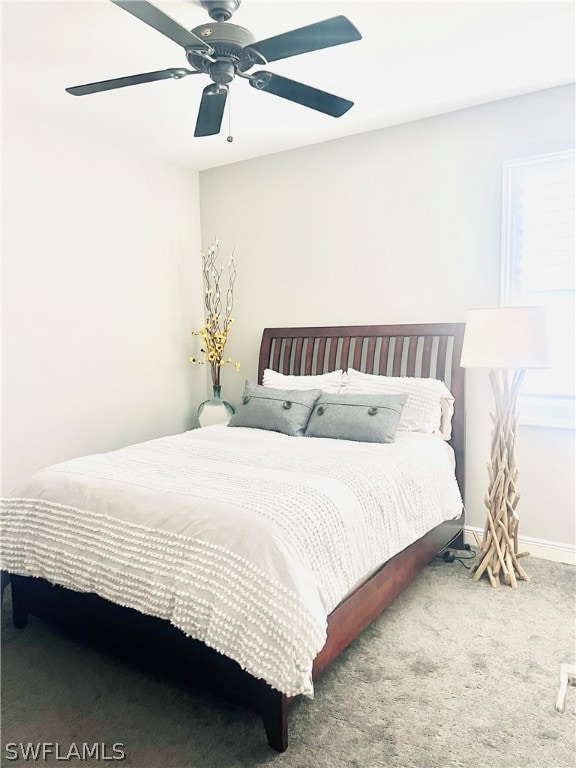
x=455, y=673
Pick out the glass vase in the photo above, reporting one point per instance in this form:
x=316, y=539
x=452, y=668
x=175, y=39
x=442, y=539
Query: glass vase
x=215, y=410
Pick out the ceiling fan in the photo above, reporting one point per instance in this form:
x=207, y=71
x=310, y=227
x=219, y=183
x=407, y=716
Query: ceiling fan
x=223, y=51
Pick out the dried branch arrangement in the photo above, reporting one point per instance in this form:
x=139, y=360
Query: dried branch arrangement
x=218, y=302
x=498, y=551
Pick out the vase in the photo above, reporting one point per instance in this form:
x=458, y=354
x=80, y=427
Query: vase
x=215, y=410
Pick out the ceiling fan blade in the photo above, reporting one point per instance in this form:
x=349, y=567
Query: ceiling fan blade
x=211, y=110
x=122, y=82
x=162, y=23
x=300, y=93
x=322, y=34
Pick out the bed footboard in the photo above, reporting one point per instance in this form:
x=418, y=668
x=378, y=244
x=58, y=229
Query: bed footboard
x=167, y=650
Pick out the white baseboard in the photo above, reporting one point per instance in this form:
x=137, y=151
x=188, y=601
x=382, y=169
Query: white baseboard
x=547, y=550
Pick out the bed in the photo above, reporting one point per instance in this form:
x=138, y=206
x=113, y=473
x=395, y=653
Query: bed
x=287, y=643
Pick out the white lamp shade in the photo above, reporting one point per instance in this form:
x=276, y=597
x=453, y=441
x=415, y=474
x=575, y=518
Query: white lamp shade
x=506, y=337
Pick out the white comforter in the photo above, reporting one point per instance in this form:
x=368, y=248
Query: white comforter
x=242, y=538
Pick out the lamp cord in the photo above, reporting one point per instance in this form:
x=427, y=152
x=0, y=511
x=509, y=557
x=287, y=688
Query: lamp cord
x=448, y=556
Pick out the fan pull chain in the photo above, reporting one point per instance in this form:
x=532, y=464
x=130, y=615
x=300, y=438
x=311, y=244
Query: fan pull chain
x=229, y=138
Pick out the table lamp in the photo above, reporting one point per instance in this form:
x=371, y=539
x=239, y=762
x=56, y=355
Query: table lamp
x=507, y=340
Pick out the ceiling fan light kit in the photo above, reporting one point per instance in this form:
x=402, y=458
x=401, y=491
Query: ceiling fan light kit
x=223, y=51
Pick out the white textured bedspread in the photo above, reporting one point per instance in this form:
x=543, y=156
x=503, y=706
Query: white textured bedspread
x=242, y=538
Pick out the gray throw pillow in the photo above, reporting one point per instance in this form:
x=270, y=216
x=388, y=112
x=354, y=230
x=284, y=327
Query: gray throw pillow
x=365, y=418
x=280, y=410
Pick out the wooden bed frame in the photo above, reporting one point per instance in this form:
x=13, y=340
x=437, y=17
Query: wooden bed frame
x=397, y=350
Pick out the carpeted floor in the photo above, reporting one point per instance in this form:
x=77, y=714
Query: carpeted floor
x=455, y=673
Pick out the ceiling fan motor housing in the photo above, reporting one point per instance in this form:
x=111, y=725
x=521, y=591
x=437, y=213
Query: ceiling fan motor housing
x=228, y=42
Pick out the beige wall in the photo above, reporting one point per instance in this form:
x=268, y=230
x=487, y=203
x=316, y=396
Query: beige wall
x=397, y=225
x=101, y=274
x=101, y=282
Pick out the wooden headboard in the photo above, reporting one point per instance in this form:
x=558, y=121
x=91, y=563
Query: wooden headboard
x=425, y=350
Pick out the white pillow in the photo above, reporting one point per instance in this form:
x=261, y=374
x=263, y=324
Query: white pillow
x=430, y=404
x=327, y=382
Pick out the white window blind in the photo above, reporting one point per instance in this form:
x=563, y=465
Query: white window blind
x=538, y=268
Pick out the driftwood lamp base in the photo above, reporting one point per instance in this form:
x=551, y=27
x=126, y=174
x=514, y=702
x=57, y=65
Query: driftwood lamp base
x=498, y=554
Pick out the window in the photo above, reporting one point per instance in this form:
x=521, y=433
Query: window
x=538, y=269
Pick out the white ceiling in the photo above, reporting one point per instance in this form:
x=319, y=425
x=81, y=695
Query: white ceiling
x=416, y=59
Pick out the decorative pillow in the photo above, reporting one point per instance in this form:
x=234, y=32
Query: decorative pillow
x=328, y=382
x=280, y=410
x=365, y=418
x=430, y=404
